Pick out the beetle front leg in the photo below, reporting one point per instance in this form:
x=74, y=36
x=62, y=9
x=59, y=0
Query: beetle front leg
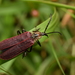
x=36, y=30
x=38, y=42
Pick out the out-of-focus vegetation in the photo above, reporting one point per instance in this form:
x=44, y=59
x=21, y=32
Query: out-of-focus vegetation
x=57, y=54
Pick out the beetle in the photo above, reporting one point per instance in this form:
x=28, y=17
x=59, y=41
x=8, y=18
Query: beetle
x=16, y=45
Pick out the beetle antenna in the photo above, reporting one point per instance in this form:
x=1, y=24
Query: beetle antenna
x=48, y=23
x=53, y=32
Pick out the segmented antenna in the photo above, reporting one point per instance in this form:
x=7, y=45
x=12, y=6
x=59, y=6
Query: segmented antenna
x=48, y=23
x=54, y=32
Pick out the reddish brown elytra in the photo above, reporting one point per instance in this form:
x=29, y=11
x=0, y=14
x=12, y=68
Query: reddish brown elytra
x=16, y=45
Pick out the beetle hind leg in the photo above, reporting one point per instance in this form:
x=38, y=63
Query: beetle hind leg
x=30, y=49
x=24, y=54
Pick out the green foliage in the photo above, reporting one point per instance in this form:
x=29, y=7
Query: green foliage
x=17, y=15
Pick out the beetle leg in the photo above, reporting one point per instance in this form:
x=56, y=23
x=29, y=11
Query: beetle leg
x=18, y=32
x=38, y=42
x=24, y=54
x=36, y=30
x=23, y=30
x=30, y=49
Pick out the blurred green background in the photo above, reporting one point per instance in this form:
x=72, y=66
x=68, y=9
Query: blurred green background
x=56, y=55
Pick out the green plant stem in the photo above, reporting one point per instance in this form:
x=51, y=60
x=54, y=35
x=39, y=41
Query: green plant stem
x=54, y=53
x=53, y=4
x=5, y=71
x=65, y=10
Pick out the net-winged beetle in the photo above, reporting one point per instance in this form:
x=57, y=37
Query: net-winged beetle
x=16, y=45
